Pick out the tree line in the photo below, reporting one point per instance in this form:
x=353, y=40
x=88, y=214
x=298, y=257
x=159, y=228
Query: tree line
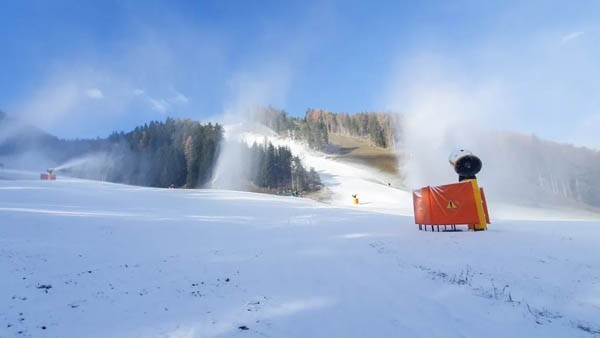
x=173, y=153
x=379, y=128
x=277, y=169
x=312, y=131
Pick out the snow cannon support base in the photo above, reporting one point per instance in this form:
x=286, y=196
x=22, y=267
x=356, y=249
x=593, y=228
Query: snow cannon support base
x=451, y=205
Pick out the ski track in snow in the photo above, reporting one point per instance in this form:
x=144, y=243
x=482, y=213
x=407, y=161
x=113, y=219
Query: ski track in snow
x=92, y=259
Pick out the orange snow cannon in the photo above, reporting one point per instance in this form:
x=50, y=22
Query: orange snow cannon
x=48, y=175
x=451, y=205
x=454, y=204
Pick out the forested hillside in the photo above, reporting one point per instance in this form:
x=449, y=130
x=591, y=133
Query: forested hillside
x=177, y=153
x=379, y=128
x=313, y=132
x=526, y=168
x=173, y=153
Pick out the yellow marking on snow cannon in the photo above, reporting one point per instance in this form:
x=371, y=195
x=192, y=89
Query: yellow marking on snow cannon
x=479, y=203
x=451, y=205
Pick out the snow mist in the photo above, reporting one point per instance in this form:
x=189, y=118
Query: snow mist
x=441, y=111
x=234, y=163
x=250, y=91
x=94, y=165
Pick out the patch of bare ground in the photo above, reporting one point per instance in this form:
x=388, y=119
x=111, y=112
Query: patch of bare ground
x=362, y=151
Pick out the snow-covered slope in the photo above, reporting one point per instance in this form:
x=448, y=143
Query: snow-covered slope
x=380, y=191
x=91, y=259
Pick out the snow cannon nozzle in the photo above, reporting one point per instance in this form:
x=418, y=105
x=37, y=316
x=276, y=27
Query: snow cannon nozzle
x=465, y=163
x=50, y=171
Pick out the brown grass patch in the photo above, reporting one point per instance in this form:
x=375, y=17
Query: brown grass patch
x=362, y=151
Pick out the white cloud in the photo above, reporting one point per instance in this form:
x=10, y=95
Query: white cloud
x=571, y=36
x=94, y=93
x=159, y=105
x=180, y=98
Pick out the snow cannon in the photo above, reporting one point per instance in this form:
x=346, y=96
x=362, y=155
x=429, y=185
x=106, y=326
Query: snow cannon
x=48, y=175
x=355, y=199
x=461, y=203
x=465, y=164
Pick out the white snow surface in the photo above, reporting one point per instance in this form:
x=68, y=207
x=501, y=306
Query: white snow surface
x=90, y=259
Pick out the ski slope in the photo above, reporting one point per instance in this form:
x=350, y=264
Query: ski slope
x=380, y=191
x=341, y=179
x=90, y=259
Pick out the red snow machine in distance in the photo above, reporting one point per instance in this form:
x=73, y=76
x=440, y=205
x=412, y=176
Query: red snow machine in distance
x=48, y=175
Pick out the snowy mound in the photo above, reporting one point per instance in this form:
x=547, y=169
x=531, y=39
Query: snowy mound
x=90, y=259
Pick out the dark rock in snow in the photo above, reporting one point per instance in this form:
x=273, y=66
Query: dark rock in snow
x=45, y=287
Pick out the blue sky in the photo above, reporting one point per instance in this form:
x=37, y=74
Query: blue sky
x=86, y=68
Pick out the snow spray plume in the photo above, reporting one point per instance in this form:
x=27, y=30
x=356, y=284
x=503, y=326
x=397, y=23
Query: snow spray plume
x=91, y=166
x=35, y=161
x=251, y=92
x=234, y=164
x=24, y=147
x=263, y=84
x=438, y=119
x=441, y=113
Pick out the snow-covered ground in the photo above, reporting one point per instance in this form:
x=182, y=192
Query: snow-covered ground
x=91, y=259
